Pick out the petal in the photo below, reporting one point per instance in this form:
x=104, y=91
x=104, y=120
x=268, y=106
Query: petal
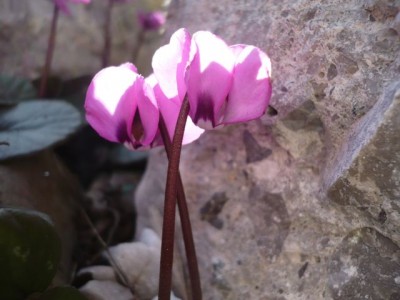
x=170, y=62
x=192, y=132
x=169, y=109
x=209, y=77
x=81, y=1
x=251, y=88
x=110, y=104
x=147, y=111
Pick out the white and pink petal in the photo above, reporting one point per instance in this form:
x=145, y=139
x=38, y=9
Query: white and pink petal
x=110, y=105
x=251, y=88
x=209, y=78
x=170, y=62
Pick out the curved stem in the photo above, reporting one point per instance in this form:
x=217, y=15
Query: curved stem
x=168, y=231
x=49, y=54
x=187, y=233
x=105, y=60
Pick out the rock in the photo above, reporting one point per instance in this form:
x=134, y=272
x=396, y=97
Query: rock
x=42, y=182
x=140, y=262
x=105, y=290
x=275, y=202
x=366, y=172
x=102, y=273
x=366, y=265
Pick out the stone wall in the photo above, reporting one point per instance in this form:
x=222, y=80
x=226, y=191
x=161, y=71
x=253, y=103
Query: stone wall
x=304, y=204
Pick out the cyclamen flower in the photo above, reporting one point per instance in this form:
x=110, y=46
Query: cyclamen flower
x=121, y=107
x=63, y=6
x=224, y=84
x=153, y=20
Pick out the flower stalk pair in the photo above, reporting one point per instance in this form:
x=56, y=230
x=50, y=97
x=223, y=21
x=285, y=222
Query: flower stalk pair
x=197, y=80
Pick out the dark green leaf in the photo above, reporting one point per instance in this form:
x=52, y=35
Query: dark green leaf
x=35, y=125
x=14, y=89
x=30, y=251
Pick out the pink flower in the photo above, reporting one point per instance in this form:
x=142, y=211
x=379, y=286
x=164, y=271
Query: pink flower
x=224, y=84
x=121, y=107
x=63, y=6
x=153, y=20
x=124, y=107
x=169, y=109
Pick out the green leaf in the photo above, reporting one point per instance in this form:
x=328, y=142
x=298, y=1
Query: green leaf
x=35, y=125
x=62, y=293
x=30, y=251
x=14, y=89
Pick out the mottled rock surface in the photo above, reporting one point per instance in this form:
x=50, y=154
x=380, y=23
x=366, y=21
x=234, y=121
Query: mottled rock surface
x=304, y=204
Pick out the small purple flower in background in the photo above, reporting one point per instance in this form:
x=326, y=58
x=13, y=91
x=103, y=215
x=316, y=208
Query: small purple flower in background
x=153, y=20
x=121, y=107
x=224, y=84
x=63, y=4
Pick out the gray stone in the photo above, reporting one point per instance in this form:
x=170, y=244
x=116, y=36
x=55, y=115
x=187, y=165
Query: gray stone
x=275, y=202
x=366, y=172
x=140, y=262
x=105, y=290
x=366, y=265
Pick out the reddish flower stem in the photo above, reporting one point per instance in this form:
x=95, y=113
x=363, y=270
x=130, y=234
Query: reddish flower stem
x=105, y=60
x=49, y=53
x=187, y=233
x=168, y=231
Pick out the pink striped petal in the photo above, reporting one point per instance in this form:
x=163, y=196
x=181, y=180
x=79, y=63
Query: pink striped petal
x=209, y=78
x=251, y=89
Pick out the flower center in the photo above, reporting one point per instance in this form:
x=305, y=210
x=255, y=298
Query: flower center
x=137, y=127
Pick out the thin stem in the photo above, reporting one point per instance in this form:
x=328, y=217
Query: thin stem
x=105, y=60
x=187, y=233
x=49, y=53
x=167, y=241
